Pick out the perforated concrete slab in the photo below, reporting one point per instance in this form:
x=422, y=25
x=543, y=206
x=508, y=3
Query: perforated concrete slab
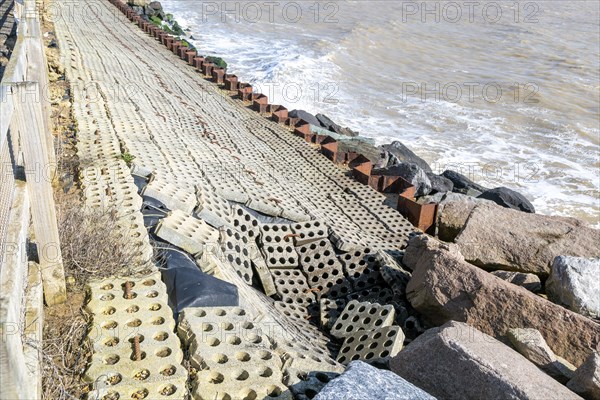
x=186, y=232
x=325, y=273
x=309, y=231
x=239, y=250
x=171, y=195
x=372, y=346
x=277, y=246
x=292, y=287
x=245, y=223
x=232, y=354
x=359, y=316
x=362, y=268
x=329, y=311
x=212, y=208
x=134, y=347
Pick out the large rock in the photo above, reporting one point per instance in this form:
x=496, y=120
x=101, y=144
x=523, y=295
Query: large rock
x=500, y=238
x=462, y=184
x=457, y=361
x=586, y=380
x=306, y=116
x=371, y=152
x=364, y=382
x=440, y=184
x=410, y=172
x=530, y=282
x=404, y=154
x=445, y=287
x=575, y=283
x=508, y=198
x=452, y=215
x=328, y=124
x=531, y=344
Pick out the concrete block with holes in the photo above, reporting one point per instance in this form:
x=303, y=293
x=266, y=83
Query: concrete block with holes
x=172, y=196
x=239, y=250
x=277, y=246
x=135, y=352
x=377, y=345
x=244, y=222
x=362, y=268
x=359, y=316
x=212, y=208
x=325, y=272
x=329, y=311
x=186, y=232
x=233, y=355
x=346, y=239
x=310, y=231
x=292, y=287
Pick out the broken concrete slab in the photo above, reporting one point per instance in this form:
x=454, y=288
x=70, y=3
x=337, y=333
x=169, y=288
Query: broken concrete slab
x=362, y=316
x=456, y=361
x=374, y=346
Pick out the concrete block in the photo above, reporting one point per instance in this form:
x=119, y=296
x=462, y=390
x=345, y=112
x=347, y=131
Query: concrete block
x=393, y=273
x=277, y=246
x=212, y=208
x=171, y=195
x=309, y=231
x=135, y=352
x=244, y=222
x=239, y=250
x=359, y=316
x=186, y=232
x=329, y=311
x=292, y=287
x=324, y=271
x=377, y=345
x=232, y=353
x=362, y=268
x=346, y=239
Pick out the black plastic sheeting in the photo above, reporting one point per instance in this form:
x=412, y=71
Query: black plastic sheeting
x=187, y=286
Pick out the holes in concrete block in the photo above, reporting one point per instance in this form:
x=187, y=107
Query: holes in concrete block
x=108, y=286
x=249, y=394
x=234, y=340
x=168, y=370
x=140, y=338
x=111, y=342
x=152, y=294
x=215, y=378
x=200, y=313
x=161, y=336
x=132, y=309
x=213, y=342
x=142, y=356
x=274, y=391
x=139, y=394
x=163, y=352
x=220, y=312
x=220, y=358
x=107, y=297
x=241, y=375
x=155, y=307
x=111, y=395
x=168, y=390
x=109, y=325
x=109, y=311
x=206, y=327
x=158, y=321
x=141, y=375
x=265, y=355
x=134, y=323
x=111, y=359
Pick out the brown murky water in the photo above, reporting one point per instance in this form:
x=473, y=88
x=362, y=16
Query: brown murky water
x=507, y=92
